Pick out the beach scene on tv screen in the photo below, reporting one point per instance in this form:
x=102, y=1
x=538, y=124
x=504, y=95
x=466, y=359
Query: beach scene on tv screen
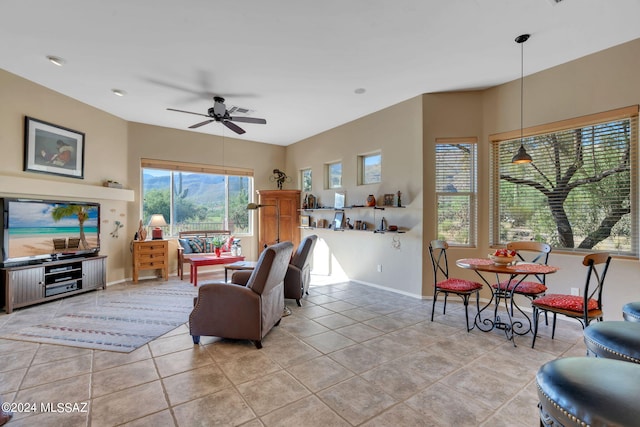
x=40, y=228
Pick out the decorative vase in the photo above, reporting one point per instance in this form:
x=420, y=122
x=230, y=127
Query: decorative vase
x=217, y=251
x=142, y=232
x=371, y=201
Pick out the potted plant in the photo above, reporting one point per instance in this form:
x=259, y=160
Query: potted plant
x=217, y=243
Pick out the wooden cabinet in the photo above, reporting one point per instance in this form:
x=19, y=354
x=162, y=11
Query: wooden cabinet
x=31, y=284
x=286, y=203
x=150, y=255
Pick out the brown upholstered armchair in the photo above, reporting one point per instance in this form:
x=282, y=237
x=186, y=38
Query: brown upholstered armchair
x=296, y=282
x=244, y=310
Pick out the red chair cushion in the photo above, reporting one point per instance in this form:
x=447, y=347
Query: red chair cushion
x=566, y=302
x=458, y=285
x=526, y=288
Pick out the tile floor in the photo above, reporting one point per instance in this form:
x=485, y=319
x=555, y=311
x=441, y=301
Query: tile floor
x=353, y=355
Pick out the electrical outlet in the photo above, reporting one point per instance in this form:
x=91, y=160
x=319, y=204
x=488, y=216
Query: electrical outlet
x=575, y=291
x=379, y=268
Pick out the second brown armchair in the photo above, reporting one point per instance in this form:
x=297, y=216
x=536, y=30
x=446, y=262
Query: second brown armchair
x=296, y=282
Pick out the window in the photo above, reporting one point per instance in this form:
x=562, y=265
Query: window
x=369, y=169
x=193, y=197
x=456, y=163
x=580, y=191
x=334, y=175
x=305, y=179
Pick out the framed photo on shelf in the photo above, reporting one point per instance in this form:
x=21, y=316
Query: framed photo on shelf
x=304, y=221
x=53, y=149
x=388, y=199
x=321, y=223
x=338, y=220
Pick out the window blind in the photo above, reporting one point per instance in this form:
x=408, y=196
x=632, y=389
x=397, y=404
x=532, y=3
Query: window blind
x=456, y=163
x=194, y=167
x=580, y=191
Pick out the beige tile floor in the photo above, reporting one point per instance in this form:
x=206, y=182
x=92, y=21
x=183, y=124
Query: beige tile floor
x=353, y=355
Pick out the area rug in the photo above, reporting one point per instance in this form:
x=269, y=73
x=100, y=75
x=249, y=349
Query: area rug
x=120, y=320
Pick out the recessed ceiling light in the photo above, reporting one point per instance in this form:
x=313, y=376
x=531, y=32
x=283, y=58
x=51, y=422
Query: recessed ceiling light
x=360, y=91
x=118, y=92
x=56, y=60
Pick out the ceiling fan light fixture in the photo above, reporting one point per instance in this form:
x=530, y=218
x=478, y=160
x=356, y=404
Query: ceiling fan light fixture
x=56, y=60
x=522, y=156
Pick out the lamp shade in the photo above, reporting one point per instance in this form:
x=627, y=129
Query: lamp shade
x=157, y=221
x=521, y=156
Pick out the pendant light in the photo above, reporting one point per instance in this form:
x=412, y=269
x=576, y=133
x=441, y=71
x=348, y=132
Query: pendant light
x=521, y=156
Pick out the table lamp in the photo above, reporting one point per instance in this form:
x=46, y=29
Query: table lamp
x=157, y=221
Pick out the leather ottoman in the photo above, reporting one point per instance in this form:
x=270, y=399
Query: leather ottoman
x=614, y=340
x=631, y=311
x=588, y=391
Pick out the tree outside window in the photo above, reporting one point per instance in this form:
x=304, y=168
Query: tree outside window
x=576, y=194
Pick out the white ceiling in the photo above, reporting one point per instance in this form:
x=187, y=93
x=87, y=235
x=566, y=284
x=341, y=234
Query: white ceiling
x=295, y=63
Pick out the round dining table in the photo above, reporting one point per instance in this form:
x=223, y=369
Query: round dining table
x=517, y=272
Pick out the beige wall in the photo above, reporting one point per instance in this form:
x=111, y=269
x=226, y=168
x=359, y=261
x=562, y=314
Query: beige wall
x=106, y=152
x=396, y=132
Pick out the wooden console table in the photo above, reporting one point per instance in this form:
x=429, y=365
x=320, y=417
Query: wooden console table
x=150, y=255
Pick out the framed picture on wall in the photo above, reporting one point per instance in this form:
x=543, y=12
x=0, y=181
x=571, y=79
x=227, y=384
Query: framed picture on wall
x=53, y=149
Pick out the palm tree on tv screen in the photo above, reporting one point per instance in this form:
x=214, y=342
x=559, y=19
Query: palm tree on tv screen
x=81, y=212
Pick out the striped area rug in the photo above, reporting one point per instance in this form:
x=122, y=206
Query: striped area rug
x=116, y=320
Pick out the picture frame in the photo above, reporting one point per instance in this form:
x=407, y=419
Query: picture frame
x=321, y=223
x=388, y=199
x=311, y=201
x=53, y=149
x=304, y=221
x=338, y=220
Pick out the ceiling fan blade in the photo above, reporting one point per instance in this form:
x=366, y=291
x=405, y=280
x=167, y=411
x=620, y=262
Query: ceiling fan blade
x=197, y=125
x=188, y=112
x=248, y=120
x=234, y=127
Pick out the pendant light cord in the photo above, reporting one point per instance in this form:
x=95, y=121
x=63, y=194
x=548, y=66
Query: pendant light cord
x=521, y=91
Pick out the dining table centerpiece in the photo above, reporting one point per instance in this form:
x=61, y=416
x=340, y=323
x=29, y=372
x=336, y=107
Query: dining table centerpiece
x=502, y=256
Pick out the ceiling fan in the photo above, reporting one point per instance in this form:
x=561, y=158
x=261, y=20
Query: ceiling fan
x=219, y=113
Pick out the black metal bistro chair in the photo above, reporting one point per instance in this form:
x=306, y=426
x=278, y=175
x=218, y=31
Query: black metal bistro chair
x=584, y=308
x=445, y=284
x=532, y=252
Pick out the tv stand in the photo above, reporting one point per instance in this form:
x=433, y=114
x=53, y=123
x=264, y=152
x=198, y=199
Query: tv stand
x=32, y=284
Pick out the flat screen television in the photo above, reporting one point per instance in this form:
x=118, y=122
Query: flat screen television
x=41, y=230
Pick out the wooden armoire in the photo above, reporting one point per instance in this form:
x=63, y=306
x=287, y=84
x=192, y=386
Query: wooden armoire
x=288, y=203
